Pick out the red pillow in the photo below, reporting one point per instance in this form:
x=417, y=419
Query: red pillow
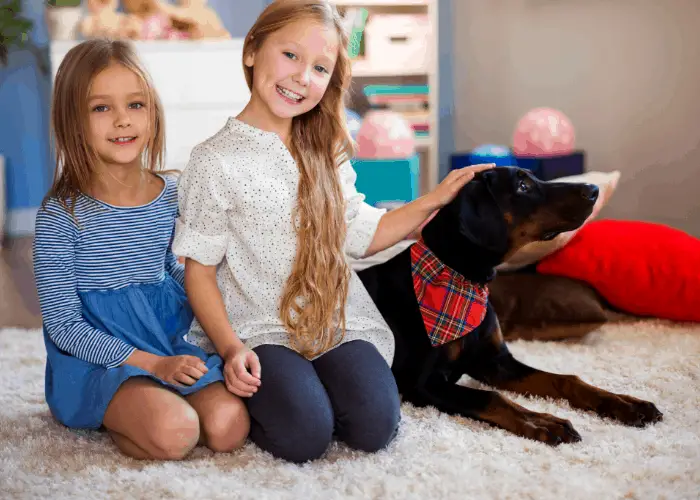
x=642, y=268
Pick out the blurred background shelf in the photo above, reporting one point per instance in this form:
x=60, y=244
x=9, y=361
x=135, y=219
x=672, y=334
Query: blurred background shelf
x=362, y=68
x=399, y=48
x=381, y=3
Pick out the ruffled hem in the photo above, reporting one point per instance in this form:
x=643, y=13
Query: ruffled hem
x=150, y=317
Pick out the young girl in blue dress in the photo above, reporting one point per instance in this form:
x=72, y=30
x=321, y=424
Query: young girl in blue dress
x=110, y=289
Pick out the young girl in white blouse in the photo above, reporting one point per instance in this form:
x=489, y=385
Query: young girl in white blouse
x=268, y=212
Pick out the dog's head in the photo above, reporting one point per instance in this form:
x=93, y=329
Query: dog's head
x=504, y=208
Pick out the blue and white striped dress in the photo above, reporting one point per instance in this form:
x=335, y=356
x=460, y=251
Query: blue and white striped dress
x=108, y=284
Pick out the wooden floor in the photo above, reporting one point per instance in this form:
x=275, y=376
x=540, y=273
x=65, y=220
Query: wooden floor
x=19, y=305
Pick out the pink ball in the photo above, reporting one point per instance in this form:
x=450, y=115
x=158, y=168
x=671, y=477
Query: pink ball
x=544, y=132
x=385, y=134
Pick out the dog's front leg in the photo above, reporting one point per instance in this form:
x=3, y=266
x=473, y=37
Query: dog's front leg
x=512, y=375
x=492, y=407
x=494, y=365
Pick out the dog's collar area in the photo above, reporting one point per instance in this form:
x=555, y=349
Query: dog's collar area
x=476, y=263
x=451, y=305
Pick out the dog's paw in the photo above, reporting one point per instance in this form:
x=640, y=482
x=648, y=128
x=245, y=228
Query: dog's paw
x=548, y=429
x=630, y=411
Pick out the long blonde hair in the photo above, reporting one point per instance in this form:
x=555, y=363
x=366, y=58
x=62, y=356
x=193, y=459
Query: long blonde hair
x=312, y=306
x=76, y=161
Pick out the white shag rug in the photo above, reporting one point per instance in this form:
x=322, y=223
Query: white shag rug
x=433, y=457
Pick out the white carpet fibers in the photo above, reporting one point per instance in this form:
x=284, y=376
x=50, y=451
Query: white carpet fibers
x=434, y=455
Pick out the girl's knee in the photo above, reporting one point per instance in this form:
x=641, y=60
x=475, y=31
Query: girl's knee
x=373, y=435
x=300, y=444
x=298, y=436
x=226, y=429
x=173, y=434
x=373, y=425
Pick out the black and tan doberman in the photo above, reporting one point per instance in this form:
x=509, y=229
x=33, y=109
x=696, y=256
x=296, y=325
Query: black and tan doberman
x=494, y=215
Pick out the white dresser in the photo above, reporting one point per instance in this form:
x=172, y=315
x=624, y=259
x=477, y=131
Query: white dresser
x=200, y=83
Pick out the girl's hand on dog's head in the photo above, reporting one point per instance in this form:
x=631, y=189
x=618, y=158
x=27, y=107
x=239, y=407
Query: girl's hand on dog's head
x=446, y=191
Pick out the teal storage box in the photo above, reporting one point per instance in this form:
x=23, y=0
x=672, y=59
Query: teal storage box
x=388, y=181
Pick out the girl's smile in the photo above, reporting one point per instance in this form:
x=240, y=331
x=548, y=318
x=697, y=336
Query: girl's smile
x=289, y=96
x=124, y=141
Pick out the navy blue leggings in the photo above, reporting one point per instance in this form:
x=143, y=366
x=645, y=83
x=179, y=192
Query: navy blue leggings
x=349, y=393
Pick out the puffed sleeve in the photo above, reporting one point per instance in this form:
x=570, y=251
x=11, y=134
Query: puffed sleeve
x=362, y=218
x=201, y=229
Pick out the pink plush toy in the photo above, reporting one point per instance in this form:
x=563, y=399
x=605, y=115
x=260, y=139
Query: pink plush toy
x=159, y=27
x=154, y=26
x=385, y=134
x=543, y=132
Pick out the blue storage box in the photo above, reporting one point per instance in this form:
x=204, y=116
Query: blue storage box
x=553, y=167
x=501, y=156
x=388, y=181
x=545, y=168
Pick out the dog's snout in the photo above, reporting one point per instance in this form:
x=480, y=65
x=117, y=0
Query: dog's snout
x=589, y=191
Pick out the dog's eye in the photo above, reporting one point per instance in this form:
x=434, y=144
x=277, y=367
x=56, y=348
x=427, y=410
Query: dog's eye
x=523, y=186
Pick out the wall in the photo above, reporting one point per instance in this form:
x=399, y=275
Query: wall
x=24, y=113
x=627, y=73
x=446, y=46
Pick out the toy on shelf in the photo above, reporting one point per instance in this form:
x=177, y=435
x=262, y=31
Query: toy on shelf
x=544, y=132
x=160, y=27
x=147, y=21
x=386, y=162
x=196, y=19
x=152, y=20
x=385, y=134
x=103, y=20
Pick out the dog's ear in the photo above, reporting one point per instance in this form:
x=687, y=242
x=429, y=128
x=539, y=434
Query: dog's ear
x=481, y=219
x=473, y=216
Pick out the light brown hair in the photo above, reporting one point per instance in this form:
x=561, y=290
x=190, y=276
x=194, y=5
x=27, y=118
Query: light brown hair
x=76, y=160
x=312, y=306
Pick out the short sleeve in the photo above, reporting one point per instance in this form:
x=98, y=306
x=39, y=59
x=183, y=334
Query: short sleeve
x=201, y=229
x=362, y=218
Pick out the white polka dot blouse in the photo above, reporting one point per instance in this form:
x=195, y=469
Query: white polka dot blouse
x=236, y=197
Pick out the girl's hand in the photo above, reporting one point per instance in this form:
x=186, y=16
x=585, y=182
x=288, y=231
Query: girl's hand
x=242, y=372
x=455, y=180
x=179, y=370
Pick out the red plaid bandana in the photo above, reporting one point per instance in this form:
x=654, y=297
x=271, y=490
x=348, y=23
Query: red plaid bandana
x=451, y=305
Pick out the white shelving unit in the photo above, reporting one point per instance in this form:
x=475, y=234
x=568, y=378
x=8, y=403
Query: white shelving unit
x=364, y=72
